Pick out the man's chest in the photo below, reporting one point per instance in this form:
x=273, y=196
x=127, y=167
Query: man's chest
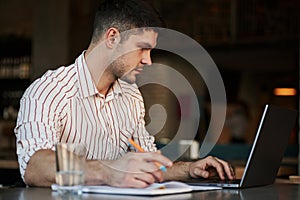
x=92, y=117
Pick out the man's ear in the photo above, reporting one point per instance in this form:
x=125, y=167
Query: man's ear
x=112, y=37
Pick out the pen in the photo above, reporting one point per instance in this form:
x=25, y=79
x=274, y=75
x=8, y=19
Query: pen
x=137, y=147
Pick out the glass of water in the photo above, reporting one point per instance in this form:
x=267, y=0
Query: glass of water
x=70, y=164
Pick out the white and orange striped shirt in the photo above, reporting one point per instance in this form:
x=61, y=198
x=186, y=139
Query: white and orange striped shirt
x=65, y=106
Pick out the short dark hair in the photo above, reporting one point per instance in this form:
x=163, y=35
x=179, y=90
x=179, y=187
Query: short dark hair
x=124, y=15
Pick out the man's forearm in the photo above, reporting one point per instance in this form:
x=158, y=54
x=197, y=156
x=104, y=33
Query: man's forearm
x=128, y=171
x=41, y=170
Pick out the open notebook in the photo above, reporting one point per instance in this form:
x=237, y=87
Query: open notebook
x=170, y=187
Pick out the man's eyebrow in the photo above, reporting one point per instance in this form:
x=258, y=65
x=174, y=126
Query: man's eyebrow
x=145, y=45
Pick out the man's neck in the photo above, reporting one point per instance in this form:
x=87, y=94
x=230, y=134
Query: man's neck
x=105, y=83
x=96, y=60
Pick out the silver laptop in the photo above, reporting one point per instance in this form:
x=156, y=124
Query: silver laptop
x=266, y=153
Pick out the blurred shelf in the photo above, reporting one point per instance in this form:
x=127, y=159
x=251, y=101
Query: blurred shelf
x=9, y=164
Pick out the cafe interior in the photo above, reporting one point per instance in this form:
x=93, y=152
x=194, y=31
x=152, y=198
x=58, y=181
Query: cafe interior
x=253, y=43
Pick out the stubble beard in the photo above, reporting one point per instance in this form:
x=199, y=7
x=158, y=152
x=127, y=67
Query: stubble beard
x=118, y=70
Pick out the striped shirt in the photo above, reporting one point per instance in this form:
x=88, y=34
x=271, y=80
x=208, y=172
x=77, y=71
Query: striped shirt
x=64, y=105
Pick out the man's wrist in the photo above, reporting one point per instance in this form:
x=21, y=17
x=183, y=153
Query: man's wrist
x=96, y=173
x=187, y=170
x=179, y=171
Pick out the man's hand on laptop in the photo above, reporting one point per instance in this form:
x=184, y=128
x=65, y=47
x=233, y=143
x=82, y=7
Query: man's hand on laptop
x=211, y=167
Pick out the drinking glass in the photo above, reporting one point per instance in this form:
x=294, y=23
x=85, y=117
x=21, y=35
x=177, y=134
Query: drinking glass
x=70, y=164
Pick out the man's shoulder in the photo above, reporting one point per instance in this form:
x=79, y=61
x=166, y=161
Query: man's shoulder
x=61, y=73
x=60, y=79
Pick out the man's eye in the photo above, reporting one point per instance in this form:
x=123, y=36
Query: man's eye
x=146, y=49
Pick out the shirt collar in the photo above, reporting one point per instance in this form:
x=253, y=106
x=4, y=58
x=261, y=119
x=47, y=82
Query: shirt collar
x=114, y=92
x=87, y=86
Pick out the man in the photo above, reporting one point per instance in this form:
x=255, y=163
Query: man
x=95, y=101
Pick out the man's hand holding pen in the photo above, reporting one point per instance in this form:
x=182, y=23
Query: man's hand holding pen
x=135, y=169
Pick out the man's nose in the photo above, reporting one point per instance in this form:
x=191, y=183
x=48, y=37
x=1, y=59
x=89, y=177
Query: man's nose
x=147, y=58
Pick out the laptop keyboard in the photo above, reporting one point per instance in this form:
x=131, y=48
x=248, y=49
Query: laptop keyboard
x=227, y=181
